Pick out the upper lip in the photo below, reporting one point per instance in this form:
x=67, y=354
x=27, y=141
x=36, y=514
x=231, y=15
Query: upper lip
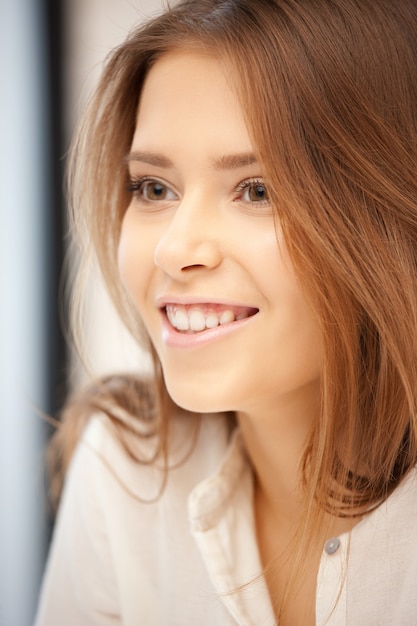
x=163, y=301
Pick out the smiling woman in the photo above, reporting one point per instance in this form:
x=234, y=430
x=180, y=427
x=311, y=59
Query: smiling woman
x=201, y=214
x=246, y=176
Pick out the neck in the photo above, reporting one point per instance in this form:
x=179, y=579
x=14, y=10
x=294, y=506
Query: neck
x=275, y=440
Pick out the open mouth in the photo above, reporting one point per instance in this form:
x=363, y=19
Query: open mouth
x=191, y=318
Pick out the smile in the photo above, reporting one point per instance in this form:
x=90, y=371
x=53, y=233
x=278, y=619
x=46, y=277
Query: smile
x=192, y=318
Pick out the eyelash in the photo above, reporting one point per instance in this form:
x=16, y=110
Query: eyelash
x=135, y=184
x=248, y=184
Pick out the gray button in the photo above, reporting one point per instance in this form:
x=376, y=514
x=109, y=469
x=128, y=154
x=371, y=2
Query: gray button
x=332, y=545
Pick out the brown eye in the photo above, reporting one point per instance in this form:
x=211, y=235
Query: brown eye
x=150, y=190
x=253, y=192
x=257, y=193
x=154, y=190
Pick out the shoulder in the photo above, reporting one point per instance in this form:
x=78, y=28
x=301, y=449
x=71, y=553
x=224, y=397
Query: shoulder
x=383, y=558
x=399, y=511
x=197, y=444
x=135, y=506
x=379, y=584
x=394, y=523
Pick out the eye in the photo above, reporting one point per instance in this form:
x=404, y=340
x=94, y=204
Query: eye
x=253, y=191
x=150, y=190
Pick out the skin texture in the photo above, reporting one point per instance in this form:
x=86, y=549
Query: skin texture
x=200, y=230
x=205, y=241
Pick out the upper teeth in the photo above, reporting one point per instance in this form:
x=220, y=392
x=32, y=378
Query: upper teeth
x=195, y=319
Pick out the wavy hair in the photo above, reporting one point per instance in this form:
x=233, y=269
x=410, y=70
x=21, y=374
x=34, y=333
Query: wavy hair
x=329, y=91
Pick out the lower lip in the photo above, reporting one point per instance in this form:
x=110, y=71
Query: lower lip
x=175, y=339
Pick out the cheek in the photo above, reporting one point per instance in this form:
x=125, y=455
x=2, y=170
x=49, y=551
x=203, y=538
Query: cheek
x=294, y=325
x=135, y=258
x=125, y=259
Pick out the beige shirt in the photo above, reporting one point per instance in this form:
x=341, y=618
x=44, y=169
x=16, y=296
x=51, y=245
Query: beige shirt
x=190, y=557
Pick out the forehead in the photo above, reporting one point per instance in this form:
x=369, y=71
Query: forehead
x=186, y=92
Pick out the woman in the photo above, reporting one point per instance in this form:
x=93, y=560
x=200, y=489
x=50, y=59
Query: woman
x=246, y=176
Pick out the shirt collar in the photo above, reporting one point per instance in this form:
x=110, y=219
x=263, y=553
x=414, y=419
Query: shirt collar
x=222, y=522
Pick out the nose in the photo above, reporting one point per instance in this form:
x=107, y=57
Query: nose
x=190, y=241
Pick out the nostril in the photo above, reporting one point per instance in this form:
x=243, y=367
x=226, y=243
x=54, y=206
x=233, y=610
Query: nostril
x=187, y=268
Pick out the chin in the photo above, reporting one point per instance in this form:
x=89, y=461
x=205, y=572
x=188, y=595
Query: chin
x=195, y=400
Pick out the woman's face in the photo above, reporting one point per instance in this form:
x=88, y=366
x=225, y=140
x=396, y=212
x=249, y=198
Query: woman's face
x=199, y=253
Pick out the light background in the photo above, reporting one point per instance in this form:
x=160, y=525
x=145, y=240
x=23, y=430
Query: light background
x=92, y=28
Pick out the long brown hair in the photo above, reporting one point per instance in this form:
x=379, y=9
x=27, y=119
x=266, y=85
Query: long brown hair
x=329, y=89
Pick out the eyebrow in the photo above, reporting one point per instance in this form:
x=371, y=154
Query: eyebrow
x=150, y=158
x=225, y=162
x=234, y=161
